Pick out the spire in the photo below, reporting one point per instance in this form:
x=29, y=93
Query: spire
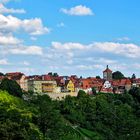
x=107, y=66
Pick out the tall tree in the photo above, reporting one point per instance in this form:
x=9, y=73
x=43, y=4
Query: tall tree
x=117, y=75
x=11, y=86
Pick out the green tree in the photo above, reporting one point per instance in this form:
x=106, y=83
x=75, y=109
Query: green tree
x=98, y=77
x=93, y=91
x=81, y=93
x=11, y=86
x=55, y=74
x=135, y=92
x=1, y=74
x=133, y=76
x=50, y=73
x=117, y=75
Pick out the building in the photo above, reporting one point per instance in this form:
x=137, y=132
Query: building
x=122, y=85
x=136, y=82
x=107, y=74
x=41, y=86
x=107, y=87
x=70, y=86
x=20, y=78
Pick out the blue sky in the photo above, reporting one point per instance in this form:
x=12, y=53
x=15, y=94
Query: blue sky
x=70, y=37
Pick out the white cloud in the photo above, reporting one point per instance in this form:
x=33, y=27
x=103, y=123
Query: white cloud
x=13, y=24
x=128, y=50
x=123, y=39
x=26, y=70
x=91, y=58
x=101, y=60
x=79, y=10
x=34, y=26
x=9, y=40
x=4, y=62
x=4, y=10
x=90, y=67
x=30, y=50
x=68, y=46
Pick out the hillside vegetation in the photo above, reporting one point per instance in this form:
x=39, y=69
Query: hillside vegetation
x=100, y=117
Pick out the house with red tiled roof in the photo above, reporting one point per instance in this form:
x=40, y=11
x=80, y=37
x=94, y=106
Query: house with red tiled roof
x=136, y=82
x=121, y=85
x=89, y=83
x=20, y=78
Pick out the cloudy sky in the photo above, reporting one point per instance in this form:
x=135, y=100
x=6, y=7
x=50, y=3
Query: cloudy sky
x=70, y=36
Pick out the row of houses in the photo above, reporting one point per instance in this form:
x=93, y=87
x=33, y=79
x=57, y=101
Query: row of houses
x=63, y=84
x=41, y=83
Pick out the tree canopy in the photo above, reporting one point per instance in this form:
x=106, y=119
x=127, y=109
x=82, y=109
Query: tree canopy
x=117, y=75
x=1, y=74
x=11, y=86
x=101, y=117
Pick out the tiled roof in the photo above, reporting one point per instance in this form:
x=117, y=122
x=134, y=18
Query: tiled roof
x=47, y=77
x=136, y=80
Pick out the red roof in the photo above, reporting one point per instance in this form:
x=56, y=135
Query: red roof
x=47, y=77
x=121, y=82
x=91, y=82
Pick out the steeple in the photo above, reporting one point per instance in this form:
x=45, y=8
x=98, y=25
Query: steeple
x=107, y=74
x=107, y=67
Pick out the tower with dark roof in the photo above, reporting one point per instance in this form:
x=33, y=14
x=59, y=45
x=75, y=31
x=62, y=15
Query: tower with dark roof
x=107, y=74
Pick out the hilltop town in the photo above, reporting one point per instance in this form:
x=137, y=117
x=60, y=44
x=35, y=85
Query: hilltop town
x=53, y=84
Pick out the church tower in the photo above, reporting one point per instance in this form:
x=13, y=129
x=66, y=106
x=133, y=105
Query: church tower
x=107, y=74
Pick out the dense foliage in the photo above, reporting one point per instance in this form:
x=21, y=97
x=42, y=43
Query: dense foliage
x=1, y=74
x=85, y=117
x=117, y=75
x=11, y=86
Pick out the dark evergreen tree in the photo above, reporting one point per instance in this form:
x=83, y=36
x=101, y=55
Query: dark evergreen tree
x=11, y=86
